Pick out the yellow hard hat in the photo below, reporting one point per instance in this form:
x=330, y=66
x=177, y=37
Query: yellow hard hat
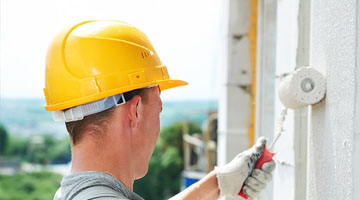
x=97, y=59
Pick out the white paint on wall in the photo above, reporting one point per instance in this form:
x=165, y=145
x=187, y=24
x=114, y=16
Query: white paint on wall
x=265, y=73
x=332, y=140
x=286, y=52
x=235, y=98
x=356, y=150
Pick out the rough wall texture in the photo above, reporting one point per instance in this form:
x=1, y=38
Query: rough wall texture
x=286, y=46
x=235, y=98
x=331, y=141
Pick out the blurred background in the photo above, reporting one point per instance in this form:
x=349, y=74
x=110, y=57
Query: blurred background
x=35, y=150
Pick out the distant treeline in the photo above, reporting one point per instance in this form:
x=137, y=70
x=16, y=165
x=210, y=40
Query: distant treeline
x=40, y=149
x=27, y=117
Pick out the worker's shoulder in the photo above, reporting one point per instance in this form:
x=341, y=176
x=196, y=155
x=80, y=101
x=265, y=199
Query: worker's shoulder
x=109, y=198
x=99, y=193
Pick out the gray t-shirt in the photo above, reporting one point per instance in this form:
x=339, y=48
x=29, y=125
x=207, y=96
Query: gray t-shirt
x=73, y=184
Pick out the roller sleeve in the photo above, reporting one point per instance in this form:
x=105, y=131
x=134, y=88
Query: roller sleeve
x=305, y=86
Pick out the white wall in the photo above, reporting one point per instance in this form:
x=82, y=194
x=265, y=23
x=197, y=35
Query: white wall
x=334, y=139
x=234, y=102
x=333, y=161
x=286, y=52
x=265, y=74
x=235, y=98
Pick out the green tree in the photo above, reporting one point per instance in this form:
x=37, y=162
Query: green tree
x=4, y=137
x=172, y=135
x=17, y=147
x=48, y=150
x=30, y=186
x=61, y=152
x=163, y=179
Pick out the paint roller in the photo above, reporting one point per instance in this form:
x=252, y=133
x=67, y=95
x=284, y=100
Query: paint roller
x=305, y=86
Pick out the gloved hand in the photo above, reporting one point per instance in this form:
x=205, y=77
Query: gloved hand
x=232, y=176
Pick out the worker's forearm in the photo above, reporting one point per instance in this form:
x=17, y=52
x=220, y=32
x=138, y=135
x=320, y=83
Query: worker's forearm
x=206, y=188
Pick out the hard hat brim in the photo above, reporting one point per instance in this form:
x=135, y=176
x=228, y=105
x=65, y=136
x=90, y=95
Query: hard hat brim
x=171, y=83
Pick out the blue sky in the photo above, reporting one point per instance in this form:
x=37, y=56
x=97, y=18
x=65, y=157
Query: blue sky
x=187, y=35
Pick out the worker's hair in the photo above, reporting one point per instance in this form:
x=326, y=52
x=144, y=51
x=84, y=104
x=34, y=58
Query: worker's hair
x=96, y=124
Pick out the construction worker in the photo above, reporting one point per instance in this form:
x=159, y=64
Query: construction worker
x=104, y=79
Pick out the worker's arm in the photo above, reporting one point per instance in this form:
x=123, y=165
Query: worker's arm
x=227, y=180
x=206, y=188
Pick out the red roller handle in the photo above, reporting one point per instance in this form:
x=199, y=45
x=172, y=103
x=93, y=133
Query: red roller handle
x=265, y=157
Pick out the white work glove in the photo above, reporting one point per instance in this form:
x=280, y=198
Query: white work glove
x=232, y=176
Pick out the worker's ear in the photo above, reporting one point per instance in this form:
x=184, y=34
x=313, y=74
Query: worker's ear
x=134, y=111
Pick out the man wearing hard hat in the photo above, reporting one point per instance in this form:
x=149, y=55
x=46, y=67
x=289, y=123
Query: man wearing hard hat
x=104, y=79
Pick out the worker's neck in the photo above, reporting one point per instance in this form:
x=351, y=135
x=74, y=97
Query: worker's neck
x=90, y=156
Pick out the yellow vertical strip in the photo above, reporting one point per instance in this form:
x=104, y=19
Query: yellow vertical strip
x=252, y=38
